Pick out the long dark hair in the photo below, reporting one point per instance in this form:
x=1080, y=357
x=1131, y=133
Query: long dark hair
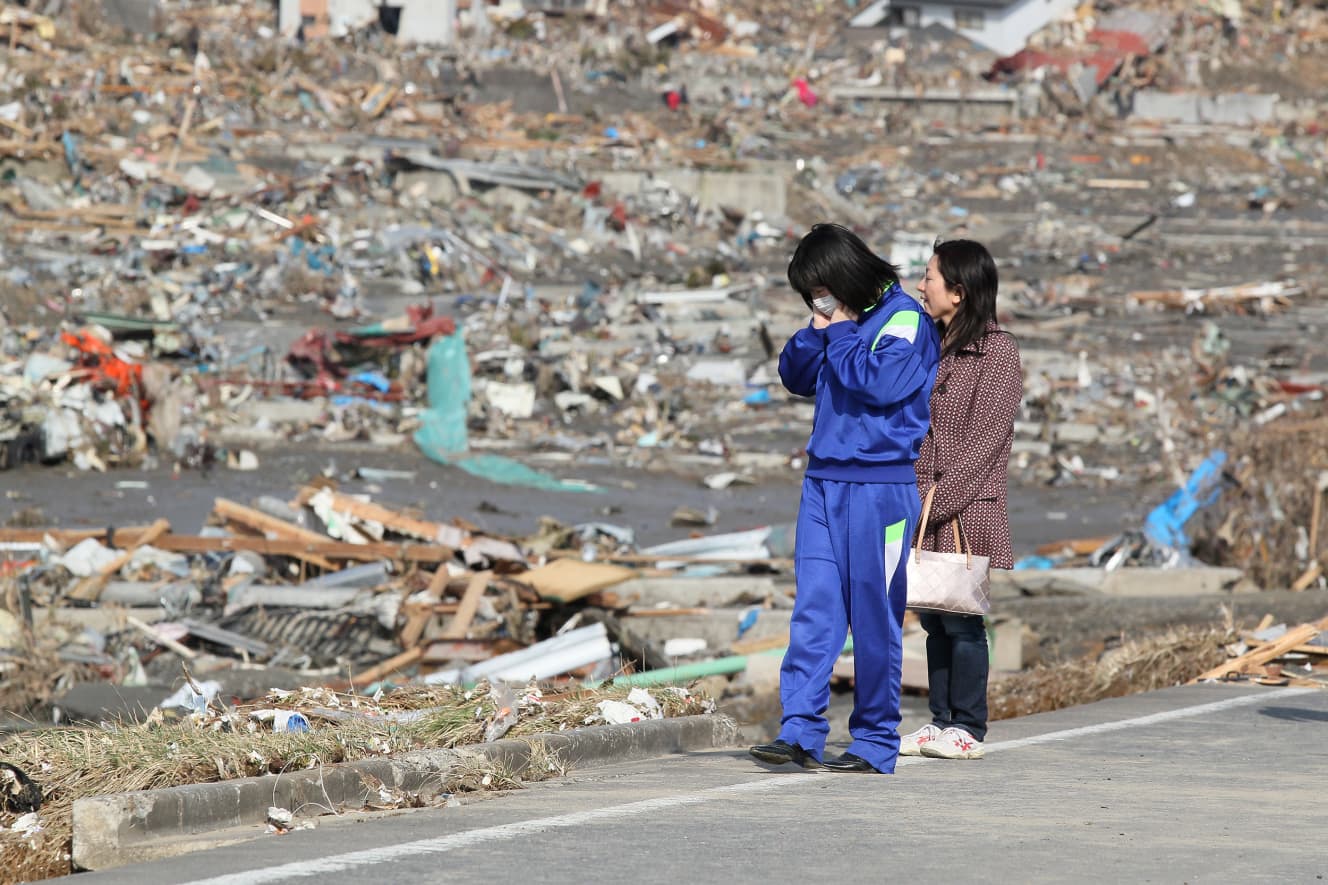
x=967, y=268
x=834, y=257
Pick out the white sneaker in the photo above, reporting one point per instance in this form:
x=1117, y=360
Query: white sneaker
x=953, y=743
x=911, y=744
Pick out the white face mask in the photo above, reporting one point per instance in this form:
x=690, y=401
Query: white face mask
x=825, y=305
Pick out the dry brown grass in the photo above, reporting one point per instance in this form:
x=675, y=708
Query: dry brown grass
x=72, y=763
x=1147, y=664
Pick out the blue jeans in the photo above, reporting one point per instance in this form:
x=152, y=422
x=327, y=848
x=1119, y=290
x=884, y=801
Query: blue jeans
x=957, y=665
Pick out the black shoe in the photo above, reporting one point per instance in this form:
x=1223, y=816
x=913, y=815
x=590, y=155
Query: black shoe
x=849, y=762
x=782, y=752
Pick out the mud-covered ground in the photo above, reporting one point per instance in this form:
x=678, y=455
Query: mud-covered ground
x=642, y=501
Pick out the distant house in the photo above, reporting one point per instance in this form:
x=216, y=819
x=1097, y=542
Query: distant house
x=1002, y=26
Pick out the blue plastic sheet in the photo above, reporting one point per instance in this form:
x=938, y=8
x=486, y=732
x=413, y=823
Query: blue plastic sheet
x=1165, y=526
x=377, y=380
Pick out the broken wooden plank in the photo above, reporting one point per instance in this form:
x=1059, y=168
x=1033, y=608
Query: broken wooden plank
x=370, y=512
x=1120, y=184
x=1306, y=649
x=164, y=641
x=470, y=602
x=388, y=667
x=419, y=616
x=68, y=537
x=334, y=550
x=1307, y=579
x=13, y=147
x=475, y=544
x=271, y=526
x=647, y=558
x=755, y=646
x=443, y=651
x=17, y=128
x=75, y=228
x=1300, y=635
x=89, y=589
x=1076, y=546
x=1271, y=292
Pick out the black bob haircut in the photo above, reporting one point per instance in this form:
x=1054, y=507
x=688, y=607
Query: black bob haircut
x=832, y=256
x=967, y=268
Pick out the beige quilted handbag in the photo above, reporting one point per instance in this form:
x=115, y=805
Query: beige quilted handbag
x=955, y=583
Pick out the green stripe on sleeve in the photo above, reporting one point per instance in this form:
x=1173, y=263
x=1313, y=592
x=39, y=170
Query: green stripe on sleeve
x=903, y=324
x=894, y=534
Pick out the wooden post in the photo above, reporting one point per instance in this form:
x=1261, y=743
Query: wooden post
x=1316, y=511
x=419, y=618
x=165, y=641
x=184, y=131
x=470, y=601
x=558, y=90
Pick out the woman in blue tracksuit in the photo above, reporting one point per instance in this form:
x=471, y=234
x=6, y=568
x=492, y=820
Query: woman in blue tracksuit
x=871, y=362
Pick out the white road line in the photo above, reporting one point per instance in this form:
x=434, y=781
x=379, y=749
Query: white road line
x=341, y=862
x=1164, y=716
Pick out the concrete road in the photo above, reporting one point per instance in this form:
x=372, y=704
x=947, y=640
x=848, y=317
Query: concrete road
x=1189, y=785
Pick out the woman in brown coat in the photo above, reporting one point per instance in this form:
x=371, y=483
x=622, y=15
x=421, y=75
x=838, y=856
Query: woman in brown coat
x=965, y=454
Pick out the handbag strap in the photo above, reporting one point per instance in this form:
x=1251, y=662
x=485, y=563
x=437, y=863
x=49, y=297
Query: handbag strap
x=961, y=541
x=960, y=538
x=922, y=525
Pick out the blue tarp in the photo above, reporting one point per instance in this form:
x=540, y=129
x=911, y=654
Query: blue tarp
x=1165, y=526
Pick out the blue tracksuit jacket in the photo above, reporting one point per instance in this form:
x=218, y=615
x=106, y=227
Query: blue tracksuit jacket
x=872, y=380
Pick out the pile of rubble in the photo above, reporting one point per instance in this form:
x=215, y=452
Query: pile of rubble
x=373, y=596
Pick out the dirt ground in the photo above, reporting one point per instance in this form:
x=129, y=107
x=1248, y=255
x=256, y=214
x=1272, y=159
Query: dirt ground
x=642, y=501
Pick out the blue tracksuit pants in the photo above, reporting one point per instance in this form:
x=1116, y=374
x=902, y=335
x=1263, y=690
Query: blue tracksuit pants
x=849, y=561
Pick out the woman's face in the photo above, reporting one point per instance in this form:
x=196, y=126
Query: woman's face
x=938, y=299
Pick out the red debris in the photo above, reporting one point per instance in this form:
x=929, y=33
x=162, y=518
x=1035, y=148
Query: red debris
x=125, y=378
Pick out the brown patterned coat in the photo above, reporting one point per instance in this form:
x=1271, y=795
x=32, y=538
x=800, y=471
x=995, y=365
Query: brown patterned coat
x=967, y=449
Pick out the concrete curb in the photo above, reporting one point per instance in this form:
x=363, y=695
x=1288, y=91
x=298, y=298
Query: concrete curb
x=111, y=831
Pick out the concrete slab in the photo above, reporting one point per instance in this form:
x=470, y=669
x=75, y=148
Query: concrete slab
x=102, y=701
x=765, y=192
x=1236, y=109
x=719, y=627
x=693, y=592
x=1133, y=582
x=103, y=620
